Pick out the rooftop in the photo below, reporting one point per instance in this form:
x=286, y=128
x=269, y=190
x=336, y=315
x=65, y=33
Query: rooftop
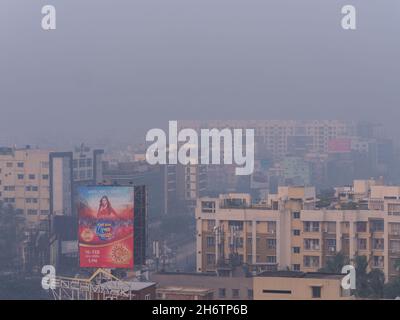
x=127, y=286
x=298, y=274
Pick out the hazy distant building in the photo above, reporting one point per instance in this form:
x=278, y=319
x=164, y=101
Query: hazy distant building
x=282, y=137
x=161, y=191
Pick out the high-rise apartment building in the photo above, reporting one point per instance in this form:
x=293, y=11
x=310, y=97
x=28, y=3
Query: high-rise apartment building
x=282, y=137
x=288, y=232
x=25, y=182
x=40, y=185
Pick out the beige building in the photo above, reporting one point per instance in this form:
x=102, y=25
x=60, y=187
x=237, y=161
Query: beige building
x=237, y=286
x=37, y=182
x=288, y=233
x=39, y=185
x=289, y=285
x=25, y=182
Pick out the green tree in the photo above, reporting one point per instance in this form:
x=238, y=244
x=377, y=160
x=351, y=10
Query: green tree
x=376, y=282
x=325, y=198
x=361, y=265
x=8, y=237
x=391, y=289
x=335, y=264
x=397, y=265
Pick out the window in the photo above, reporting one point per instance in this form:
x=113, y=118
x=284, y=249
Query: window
x=210, y=225
x=250, y=294
x=32, y=212
x=395, y=228
x=377, y=261
x=311, y=261
x=20, y=177
x=44, y=212
x=9, y=164
x=249, y=241
x=31, y=176
x=296, y=232
x=20, y=164
x=296, y=215
x=147, y=297
x=271, y=243
x=271, y=227
x=361, y=226
x=316, y=292
x=222, y=292
x=377, y=225
x=377, y=243
x=45, y=177
x=362, y=244
x=296, y=249
x=296, y=267
x=277, y=291
x=331, y=245
x=34, y=188
x=271, y=259
x=311, y=244
x=236, y=225
x=235, y=293
x=210, y=242
x=239, y=242
x=311, y=226
x=394, y=246
x=210, y=259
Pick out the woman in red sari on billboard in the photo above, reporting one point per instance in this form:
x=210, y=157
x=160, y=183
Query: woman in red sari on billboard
x=105, y=209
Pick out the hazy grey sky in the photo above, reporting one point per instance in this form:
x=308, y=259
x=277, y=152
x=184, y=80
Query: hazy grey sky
x=115, y=68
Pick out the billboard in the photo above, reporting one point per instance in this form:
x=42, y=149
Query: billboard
x=106, y=227
x=339, y=145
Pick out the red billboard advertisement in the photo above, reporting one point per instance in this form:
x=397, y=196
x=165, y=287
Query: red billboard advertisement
x=106, y=227
x=339, y=145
